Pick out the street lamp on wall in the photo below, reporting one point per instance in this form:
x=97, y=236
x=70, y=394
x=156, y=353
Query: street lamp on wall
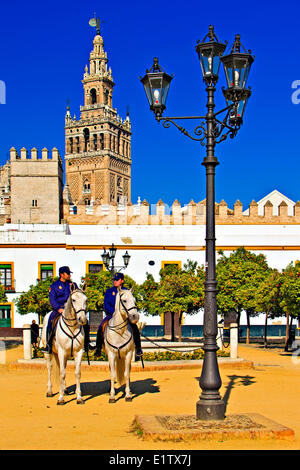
x=209, y=132
x=108, y=258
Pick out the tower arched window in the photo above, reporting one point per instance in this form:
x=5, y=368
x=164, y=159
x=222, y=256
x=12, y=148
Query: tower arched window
x=95, y=141
x=101, y=142
x=86, y=134
x=71, y=144
x=93, y=95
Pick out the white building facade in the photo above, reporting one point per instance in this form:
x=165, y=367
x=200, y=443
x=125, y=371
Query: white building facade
x=31, y=252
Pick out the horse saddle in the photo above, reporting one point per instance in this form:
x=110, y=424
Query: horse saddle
x=52, y=325
x=104, y=325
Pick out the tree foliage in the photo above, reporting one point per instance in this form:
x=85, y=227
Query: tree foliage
x=238, y=278
x=290, y=290
x=3, y=296
x=98, y=283
x=178, y=290
x=36, y=299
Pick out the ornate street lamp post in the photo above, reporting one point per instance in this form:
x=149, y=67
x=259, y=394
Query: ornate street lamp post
x=108, y=258
x=210, y=132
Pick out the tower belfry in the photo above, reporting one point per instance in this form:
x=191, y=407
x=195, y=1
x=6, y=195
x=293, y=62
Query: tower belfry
x=98, y=145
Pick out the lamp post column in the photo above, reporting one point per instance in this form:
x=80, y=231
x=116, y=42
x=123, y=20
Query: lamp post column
x=210, y=406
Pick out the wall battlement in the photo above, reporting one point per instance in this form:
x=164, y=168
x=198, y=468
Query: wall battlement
x=34, y=155
x=190, y=214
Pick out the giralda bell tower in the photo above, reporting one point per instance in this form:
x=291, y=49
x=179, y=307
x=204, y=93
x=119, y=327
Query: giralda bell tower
x=98, y=145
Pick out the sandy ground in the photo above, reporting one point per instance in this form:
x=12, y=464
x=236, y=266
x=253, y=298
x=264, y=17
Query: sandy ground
x=30, y=421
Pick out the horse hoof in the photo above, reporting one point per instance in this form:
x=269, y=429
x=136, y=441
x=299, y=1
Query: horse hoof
x=49, y=395
x=128, y=399
x=60, y=402
x=112, y=400
x=80, y=402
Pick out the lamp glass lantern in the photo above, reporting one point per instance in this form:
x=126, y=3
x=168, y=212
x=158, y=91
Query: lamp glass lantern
x=156, y=83
x=126, y=259
x=237, y=65
x=105, y=258
x=210, y=53
x=240, y=100
x=112, y=251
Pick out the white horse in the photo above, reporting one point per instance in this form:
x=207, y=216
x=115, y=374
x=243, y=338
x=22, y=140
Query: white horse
x=68, y=341
x=118, y=342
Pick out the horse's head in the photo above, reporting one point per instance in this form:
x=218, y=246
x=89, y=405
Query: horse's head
x=127, y=305
x=79, y=304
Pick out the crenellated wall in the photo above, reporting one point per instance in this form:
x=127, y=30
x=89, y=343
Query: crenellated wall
x=191, y=214
x=36, y=181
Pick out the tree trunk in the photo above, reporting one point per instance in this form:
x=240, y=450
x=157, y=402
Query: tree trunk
x=248, y=327
x=172, y=326
x=238, y=322
x=180, y=333
x=266, y=328
x=287, y=332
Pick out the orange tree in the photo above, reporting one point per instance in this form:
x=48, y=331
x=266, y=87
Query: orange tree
x=269, y=297
x=238, y=278
x=290, y=292
x=36, y=299
x=3, y=296
x=178, y=291
x=98, y=283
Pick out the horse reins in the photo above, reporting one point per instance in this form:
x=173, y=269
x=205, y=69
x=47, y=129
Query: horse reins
x=119, y=326
x=72, y=336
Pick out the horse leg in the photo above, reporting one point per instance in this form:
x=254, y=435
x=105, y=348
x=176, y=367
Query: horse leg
x=78, y=357
x=62, y=369
x=49, y=367
x=112, y=368
x=128, y=359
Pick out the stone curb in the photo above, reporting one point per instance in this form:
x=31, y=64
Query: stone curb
x=224, y=363
x=263, y=428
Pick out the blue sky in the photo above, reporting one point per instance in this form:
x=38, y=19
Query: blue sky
x=43, y=51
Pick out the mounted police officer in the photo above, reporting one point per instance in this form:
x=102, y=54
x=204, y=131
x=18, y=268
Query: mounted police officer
x=109, y=308
x=59, y=293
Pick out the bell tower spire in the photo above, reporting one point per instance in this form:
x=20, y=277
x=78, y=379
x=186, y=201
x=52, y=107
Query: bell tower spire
x=97, y=79
x=98, y=145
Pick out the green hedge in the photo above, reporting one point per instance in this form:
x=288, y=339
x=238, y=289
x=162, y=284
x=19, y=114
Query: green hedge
x=157, y=356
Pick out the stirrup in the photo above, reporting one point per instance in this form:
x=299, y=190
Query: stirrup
x=138, y=354
x=98, y=352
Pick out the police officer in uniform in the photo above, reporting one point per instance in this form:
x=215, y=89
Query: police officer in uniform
x=59, y=293
x=109, y=308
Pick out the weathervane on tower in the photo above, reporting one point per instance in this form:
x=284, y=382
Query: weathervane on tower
x=95, y=23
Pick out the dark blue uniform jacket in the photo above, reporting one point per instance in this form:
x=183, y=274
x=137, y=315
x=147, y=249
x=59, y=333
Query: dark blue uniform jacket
x=110, y=300
x=59, y=293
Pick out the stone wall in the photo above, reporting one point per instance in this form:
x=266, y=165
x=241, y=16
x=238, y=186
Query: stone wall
x=36, y=186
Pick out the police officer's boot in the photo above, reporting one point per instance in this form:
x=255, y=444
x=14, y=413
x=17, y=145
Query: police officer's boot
x=86, y=329
x=137, y=341
x=50, y=336
x=99, y=342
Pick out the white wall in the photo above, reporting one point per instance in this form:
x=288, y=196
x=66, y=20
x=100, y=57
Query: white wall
x=149, y=243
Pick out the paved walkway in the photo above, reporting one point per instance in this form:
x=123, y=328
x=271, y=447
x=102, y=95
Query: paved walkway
x=32, y=421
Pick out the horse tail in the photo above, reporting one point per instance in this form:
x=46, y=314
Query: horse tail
x=120, y=366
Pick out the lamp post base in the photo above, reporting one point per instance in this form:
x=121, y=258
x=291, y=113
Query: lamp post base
x=209, y=410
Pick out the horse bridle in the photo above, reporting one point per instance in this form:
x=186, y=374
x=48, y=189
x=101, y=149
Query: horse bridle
x=127, y=310
x=72, y=336
x=75, y=311
x=119, y=326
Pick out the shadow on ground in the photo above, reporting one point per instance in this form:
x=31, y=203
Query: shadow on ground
x=10, y=343
x=90, y=390
x=234, y=381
